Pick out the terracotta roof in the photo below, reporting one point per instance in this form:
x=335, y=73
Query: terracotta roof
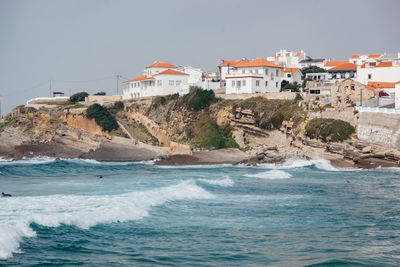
x=140, y=78
x=345, y=66
x=258, y=62
x=333, y=63
x=161, y=64
x=232, y=63
x=369, y=55
x=298, y=54
x=171, y=72
x=384, y=64
x=207, y=76
x=291, y=70
x=381, y=84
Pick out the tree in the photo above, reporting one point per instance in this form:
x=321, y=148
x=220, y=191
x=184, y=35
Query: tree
x=284, y=83
x=311, y=69
x=100, y=93
x=78, y=97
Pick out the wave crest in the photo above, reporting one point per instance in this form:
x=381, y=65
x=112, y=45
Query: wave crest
x=273, y=174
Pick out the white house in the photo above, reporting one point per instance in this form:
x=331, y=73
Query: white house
x=226, y=67
x=287, y=59
x=360, y=59
x=291, y=75
x=308, y=61
x=160, y=78
x=388, y=71
x=253, y=76
x=199, y=78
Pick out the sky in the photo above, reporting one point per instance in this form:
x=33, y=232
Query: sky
x=81, y=45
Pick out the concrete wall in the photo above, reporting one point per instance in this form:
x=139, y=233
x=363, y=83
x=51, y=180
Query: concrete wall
x=380, y=128
x=101, y=99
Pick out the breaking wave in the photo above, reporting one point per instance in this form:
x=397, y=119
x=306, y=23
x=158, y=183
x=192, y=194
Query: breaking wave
x=221, y=182
x=16, y=214
x=319, y=163
x=273, y=174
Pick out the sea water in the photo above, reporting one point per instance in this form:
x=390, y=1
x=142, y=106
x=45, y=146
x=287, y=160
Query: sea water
x=297, y=213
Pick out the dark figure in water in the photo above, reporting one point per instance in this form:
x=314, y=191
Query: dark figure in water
x=100, y=176
x=5, y=195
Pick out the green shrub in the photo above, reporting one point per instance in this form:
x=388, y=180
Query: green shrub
x=78, y=97
x=198, y=99
x=159, y=100
x=119, y=105
x=100, y=93
x=102, y=117
x=298, y=97
x=329, y=129
x=210, y=135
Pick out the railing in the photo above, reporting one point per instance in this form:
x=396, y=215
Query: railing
x=378, y=110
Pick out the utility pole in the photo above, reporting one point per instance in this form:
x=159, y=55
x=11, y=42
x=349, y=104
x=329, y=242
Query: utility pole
x=50, y=87
x=118, y=82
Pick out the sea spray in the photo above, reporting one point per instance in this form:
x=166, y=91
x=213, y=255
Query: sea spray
x=220, y=182
x=16, y=214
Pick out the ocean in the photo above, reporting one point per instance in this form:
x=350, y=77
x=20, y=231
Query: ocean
x=299, y=213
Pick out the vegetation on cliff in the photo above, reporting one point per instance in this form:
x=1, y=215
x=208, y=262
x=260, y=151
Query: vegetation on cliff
x=329, y=129
x=198, y=98
x=78, y=97
x=102, y=117
x=270, y=114
x=209, y=135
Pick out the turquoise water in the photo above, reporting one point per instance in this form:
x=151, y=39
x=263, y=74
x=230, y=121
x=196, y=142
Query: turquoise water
x=297, y=214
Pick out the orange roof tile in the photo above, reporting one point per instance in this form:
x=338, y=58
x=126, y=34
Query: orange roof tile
x=384, y=64
x=258, y=62
x=381, y=84
x=369, y=55
x=207, y=76
x=298, y=54
x=291, y=70
x=333, y=63
x=140, y=78
x=345, y=66
x=171, y=72
x=161, y=64
x=232, y=63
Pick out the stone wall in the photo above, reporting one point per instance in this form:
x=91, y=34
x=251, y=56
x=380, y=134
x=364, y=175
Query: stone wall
x=380, y=128
x=288, y=96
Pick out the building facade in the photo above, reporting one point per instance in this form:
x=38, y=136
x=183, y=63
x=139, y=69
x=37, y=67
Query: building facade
x=253, y=76
x=388, y=71
x=291, y=75
x=160, y=78
x=287, y=59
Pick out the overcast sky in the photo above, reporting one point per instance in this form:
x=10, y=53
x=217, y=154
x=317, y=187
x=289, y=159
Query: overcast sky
x=82, y=44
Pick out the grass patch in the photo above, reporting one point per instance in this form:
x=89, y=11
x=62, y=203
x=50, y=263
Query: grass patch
x=209, y=135
x=6, y=122
x=329, y=129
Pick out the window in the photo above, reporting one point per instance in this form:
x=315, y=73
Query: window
x=178, y=82
x=251, y=71
x=256, y=71
x=266, y=83
x=159, y=82
x=276, y=84
x=272, y=76
x=244, y=82
x=257, y=82
x=289, y=75
x=238, y=84
x=315, y=92
x=352, y=87
x=243, y=71
x=277, y=73
x=171, y=83
x=369, y=76
x=266, y=71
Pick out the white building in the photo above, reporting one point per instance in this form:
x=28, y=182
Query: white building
x=308, y=62
x=388, y=71
x=160, y=78
x=360, y=59
x=287, y=59
x=199, y=78
x=253, y=76
x=226, y=67
x=292, y=75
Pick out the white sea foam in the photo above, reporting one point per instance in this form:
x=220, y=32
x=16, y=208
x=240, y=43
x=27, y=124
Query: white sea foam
x=17, y=213
x=221, y=182
x=24, y=160
x=319, y=163
x=273, y=174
